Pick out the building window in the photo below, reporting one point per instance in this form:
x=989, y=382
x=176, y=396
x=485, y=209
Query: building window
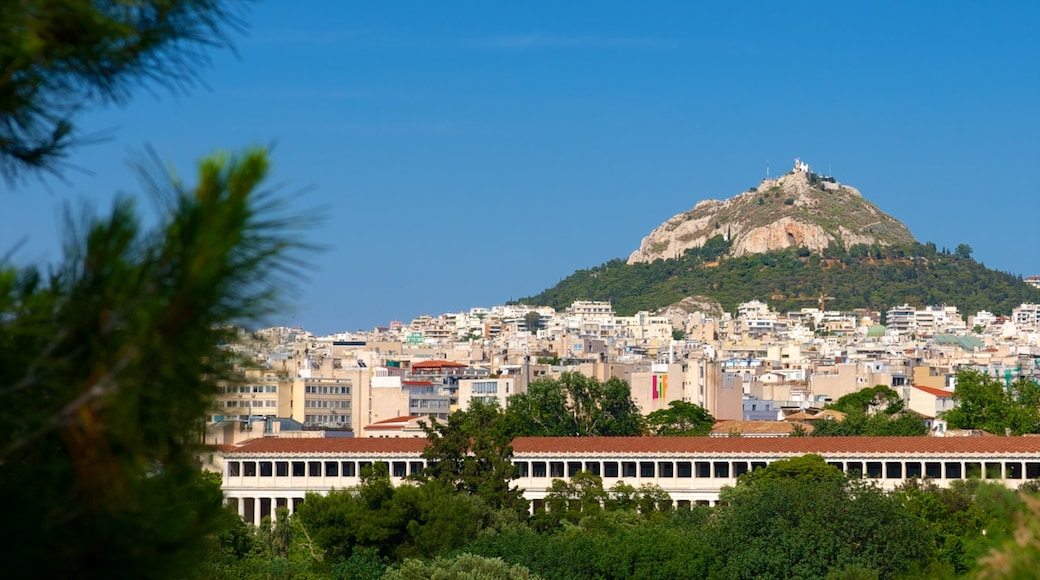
x=592, y=467
x=993, y=471
x=973, y=470
x=628, y=469
x=299, y=469
x=573, y=467
x=953, y=470
x=538, y=469
x=233, y=469
x=522, y=469
x=249, y=468
x=610, y=469
x=332, y=468
x=702, y=469
x=555, y=469
x=281, y=468
x=349, y=469
x=874, y=469
x=893, y=470
x=913, y=469
x=684, y=469
x=646, y=469
x=265, y=469
x=1014, y=470
x=721, y=469
x=314, y=468
x=665, y=469
x=933, y=469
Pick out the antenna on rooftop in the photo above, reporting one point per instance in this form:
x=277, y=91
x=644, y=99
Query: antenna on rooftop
x=767, y=169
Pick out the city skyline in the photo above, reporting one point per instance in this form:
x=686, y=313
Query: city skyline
x=468, y=155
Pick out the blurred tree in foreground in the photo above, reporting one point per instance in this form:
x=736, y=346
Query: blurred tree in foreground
x=108, y=364
x=59, y=56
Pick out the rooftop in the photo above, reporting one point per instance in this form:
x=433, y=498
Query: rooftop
x=678, y=445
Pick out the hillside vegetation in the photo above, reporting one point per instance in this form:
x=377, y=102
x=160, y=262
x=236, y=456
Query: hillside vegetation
x=875, y=277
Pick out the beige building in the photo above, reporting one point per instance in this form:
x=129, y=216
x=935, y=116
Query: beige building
x=930, y=402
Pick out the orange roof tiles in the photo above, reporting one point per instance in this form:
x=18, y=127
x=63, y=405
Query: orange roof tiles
x=278, y=445
x=934, y=391
x=658, y=445
x=777, y=428
x=438, y=364
x=780, y=445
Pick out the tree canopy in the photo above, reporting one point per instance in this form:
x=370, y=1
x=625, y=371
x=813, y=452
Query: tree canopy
x=680, y=419
x=870, y=277
x=58, y=57
x=983, y=402
x=574, y=406
x=471, y=453
x=108, y=363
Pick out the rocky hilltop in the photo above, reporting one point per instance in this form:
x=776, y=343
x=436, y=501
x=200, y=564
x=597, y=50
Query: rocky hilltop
x=797, y=210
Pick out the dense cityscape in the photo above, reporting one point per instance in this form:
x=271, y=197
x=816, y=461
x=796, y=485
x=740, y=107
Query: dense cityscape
x=784, y=384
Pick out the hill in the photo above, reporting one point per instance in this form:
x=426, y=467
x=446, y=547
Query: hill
x=797, y=210
x=862, y=277
x=788, y=242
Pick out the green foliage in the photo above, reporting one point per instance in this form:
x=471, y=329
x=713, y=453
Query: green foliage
x=858, y=423
x=811, y=524
x=461, y=567
x=61, y=56
x=533, y=321
x=574, y=406
x=107, y=364
x=868, y=401
x=967, y=519
x=403, y=522
x=680, y=419
x=809, y=467
x=863, y=277
x=1016, y=558
x=472, y=453
x=984, y=403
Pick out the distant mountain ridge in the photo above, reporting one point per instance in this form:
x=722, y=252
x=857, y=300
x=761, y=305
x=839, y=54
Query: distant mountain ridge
x=797, y=210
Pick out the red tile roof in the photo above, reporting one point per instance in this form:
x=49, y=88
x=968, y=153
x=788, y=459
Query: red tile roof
x=438, y=364
x=682, y=445
x=934, y=391
x=404, y=419
x=780, y=445
x=279, y=445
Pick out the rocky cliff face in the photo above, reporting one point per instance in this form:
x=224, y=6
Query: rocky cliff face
x=797, y=210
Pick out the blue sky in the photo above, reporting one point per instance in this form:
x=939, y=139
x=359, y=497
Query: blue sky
x=469, y=153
